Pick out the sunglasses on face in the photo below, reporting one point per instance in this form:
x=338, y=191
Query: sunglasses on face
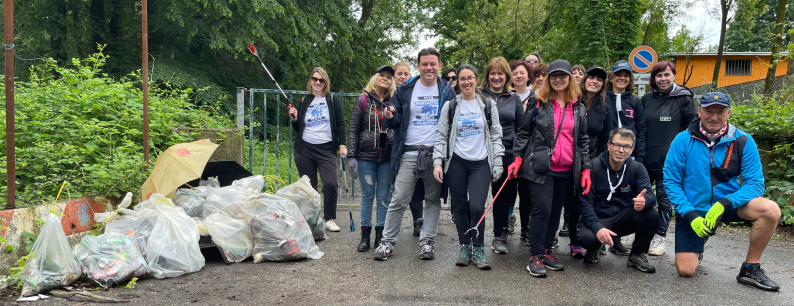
x=315, y=80
x=448, y=78
x=531, y=60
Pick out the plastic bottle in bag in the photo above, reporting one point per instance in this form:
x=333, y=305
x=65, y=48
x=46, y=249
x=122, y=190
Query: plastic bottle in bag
x=53, y=265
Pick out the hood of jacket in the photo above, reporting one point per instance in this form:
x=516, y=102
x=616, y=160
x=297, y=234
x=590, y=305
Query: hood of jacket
x=676, y=91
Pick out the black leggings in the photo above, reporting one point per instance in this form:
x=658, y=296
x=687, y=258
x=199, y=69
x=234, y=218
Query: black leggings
x=468, y=188
x=506, y=199
x=321, y=158
x=524, y=202
x=572, y=210
x=547, y=202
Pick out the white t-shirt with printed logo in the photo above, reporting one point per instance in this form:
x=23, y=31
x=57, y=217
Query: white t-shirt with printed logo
x=424, y=116
x=470, y=126
x=318, y=122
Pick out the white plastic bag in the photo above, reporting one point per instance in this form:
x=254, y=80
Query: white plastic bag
x=53, y=265
x=255, y=182
x=192, y=200
x=210, y=182
x=106, y=217
x=172, y=249
x=232, y=235
x=228, y=200
x=308, y=201
x=110, y=259
x=280, y=232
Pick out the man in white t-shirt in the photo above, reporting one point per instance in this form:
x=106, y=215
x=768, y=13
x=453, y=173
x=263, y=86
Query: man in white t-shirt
x=413, y=116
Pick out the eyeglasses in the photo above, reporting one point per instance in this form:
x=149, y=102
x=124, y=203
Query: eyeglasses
x=531, y=60
x=453, y=78
x=620, y=146
x=471, y=78
x=314, y=80
x=557, y=76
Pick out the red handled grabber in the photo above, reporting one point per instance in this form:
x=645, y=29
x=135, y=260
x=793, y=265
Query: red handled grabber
x=253, y=51
x=474, y=228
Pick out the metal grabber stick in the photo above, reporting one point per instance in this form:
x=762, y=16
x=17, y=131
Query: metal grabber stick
x=253, y=51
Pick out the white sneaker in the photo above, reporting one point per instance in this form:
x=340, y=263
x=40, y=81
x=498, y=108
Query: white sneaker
x=658, y=246
x=627, y=241
x=331, y=226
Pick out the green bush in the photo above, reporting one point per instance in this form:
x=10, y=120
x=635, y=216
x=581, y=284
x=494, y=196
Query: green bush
x=76, y=124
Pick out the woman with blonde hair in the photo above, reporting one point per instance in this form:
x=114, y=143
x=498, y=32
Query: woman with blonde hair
x=320, y=126
x=553, y=140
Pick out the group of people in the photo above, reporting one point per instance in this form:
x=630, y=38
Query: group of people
x=555, y=137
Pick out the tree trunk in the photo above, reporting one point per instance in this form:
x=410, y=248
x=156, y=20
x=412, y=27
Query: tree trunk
x=725, y=6
x=778, y=41
x=366, y=12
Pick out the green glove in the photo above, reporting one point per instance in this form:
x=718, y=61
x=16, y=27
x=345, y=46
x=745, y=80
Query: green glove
x=714, y=215
x=698, y=224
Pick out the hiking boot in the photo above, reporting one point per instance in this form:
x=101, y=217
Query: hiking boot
x=479, y=259
x=363, y=246
x=331, y=226
x=556, y=242
x=378, y=235
x=384, y=250
x=427, y=252
x=658, y=246
x=641, y=263
x=564, y=231
x=418, y=226
x=511, y=224
x=752, y=274
x=550, y=261
x=464, y=259
x=577, y=251
x=618, y=248
x=591, y=257
x=498, y=246
x=536, y=267
x=628, y=241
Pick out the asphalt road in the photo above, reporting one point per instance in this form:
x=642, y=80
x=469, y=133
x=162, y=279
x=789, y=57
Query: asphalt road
x=344, y=276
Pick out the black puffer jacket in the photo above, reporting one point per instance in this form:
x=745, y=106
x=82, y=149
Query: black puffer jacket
x=666, y=115
x=543, y=136
x=632, y=117
x=363, y=130
x=511, y=112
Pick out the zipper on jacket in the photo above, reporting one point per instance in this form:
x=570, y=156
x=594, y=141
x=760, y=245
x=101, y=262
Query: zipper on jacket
x=711, y=162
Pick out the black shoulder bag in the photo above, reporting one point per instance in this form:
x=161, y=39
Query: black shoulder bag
x=541, y=156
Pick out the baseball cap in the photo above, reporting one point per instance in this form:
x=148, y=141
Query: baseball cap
x=597, y=71
x=384, y=68
x=559, y=65
x=712, y=98
x=621, y=65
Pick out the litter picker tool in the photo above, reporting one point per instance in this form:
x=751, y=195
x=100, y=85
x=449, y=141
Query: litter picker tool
x=371, y=95
x=253, y=51
x=476, y=231
x=350, y=199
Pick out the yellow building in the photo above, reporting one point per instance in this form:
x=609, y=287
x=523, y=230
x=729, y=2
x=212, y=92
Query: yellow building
x=736, y=68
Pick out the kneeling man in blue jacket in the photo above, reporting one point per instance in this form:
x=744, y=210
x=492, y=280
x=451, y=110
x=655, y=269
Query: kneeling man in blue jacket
x=619, y=203
x=701, y=177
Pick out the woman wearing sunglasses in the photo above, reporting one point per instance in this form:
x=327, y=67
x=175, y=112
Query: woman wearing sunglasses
x=451, y=76
x=539, y=72
x=460, y=158
x=553, y=140
x=369, y=156
x=498, y=79
x=320, y=126
x=533, y=59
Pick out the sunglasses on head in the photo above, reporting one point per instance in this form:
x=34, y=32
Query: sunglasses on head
x=318, y=80
x=453, y=78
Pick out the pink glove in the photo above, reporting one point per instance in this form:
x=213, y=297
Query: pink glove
x=586, y=181
x=512, y=170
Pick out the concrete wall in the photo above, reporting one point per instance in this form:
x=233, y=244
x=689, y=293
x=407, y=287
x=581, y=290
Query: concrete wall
x=741, y=93
x=702, y=67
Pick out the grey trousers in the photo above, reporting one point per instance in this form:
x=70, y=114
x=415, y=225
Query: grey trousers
x=404, y=185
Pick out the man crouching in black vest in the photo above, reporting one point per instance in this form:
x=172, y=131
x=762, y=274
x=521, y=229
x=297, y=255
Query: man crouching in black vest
x=619, y=203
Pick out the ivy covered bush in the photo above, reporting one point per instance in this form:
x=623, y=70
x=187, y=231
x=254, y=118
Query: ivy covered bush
x=76, y=124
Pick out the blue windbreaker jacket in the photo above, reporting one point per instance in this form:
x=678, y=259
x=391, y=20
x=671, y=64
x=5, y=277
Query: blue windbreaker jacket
x=695, y=177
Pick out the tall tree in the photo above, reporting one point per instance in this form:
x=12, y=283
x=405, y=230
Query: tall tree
x=776, y=45
x=751, y=29
x=725, y=8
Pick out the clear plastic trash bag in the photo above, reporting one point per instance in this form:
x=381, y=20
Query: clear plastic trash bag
x=232, y=235
x=192, y=200
x=279, y=229
x=173, y=248
x=255, y=182
x=308, y=201
x=110, y=259
x=228, y=200
x=53, y=264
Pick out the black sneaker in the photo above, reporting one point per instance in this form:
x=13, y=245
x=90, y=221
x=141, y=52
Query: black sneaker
x=551, y=262
x=479, y=259
x=564, y=230
x=384, y=250
x=418, y=226
x=591, y=257
x=525, y=236
x=618, y=247
x=427, y=252
x=464, y=259
x=755, y=276
x=641, y=263
x=536, y=267
x=603, y=250
x=498, y=246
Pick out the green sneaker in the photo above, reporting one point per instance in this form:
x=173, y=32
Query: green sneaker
x=479, y=259
x=465, y=256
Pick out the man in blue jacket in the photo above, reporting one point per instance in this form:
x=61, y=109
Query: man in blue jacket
x=413, y=116
x=701, y=177
x=619, y=203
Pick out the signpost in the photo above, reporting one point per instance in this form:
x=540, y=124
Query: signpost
x=641, y=80
x=642, y=59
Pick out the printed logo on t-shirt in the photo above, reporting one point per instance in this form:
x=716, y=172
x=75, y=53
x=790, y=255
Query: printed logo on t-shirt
x=429, y=113
x=316, y=114
x=468, y=124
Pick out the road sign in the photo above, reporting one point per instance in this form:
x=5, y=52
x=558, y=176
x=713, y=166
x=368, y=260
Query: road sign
x=642, y=59
x=642, y=78
x=641, y=90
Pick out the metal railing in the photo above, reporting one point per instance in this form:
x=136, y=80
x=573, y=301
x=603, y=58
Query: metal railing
x=275, y=98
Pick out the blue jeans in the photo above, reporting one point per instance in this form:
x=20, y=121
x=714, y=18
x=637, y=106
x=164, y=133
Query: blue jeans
x=375, y=179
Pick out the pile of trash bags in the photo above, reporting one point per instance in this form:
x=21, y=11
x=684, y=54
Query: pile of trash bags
x=160, y=237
